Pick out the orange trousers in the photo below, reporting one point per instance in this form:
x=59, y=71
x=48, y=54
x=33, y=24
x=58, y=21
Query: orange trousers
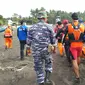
x=61, y=48
x=8, y=42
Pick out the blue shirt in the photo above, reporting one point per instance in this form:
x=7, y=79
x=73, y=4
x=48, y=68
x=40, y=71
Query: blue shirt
x=22, y=32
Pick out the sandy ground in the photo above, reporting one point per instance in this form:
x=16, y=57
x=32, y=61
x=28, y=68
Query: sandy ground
x=16, y=72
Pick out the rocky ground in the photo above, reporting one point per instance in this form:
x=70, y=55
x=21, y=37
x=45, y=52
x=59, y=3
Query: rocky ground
x=13, y=71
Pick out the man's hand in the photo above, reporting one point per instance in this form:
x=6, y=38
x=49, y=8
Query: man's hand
x=51, y=48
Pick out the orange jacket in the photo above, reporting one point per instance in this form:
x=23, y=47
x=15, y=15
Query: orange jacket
x=75, y=35
x=8, y=33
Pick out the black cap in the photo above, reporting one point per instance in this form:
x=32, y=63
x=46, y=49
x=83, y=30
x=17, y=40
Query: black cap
x=21, y=22
x=74, y=16
x=59, y=22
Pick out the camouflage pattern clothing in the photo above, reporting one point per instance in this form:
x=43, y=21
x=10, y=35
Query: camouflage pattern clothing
x=40, y=35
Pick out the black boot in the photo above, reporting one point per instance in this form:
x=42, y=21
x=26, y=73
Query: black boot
x=21, y=55
x=48, y=80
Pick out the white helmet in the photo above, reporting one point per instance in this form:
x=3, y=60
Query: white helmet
x=58, y=19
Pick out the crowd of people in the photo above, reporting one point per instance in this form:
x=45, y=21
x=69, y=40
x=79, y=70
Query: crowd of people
x=41, y=37
x=71, y=35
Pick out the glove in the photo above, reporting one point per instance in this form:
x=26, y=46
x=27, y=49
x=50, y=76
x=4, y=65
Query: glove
x=51, y=48
x=63, y=44
x=54, y=48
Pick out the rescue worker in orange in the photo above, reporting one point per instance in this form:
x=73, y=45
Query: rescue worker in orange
x=59, y=38
x=66, y=42
x=75, y=33
x=8, y=37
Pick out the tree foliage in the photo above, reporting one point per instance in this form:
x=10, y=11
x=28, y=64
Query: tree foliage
x=52, y=14
x=2, y=20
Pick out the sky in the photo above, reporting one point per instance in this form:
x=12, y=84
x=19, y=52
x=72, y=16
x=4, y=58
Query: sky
x=23, y=7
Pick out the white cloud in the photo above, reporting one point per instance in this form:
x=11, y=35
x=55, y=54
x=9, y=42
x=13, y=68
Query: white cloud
x=23, y=7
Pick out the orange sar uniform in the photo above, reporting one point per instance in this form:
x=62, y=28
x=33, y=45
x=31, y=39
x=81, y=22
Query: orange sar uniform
x=8, y=37
x=75, y=34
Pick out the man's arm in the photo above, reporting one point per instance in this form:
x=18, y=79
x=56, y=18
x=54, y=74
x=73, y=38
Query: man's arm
x=17, y=32
x=58, y=33
x=29, y=37
x=66, y=31
x=26, y=30
x=52, y=36
x=84, y=35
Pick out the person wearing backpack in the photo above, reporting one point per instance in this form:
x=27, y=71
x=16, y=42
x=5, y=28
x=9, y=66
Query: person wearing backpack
x=75, y=33
x=22, y=36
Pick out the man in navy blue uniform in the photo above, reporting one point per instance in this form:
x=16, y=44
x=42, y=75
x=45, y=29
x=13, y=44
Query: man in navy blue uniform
x=39, y=37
